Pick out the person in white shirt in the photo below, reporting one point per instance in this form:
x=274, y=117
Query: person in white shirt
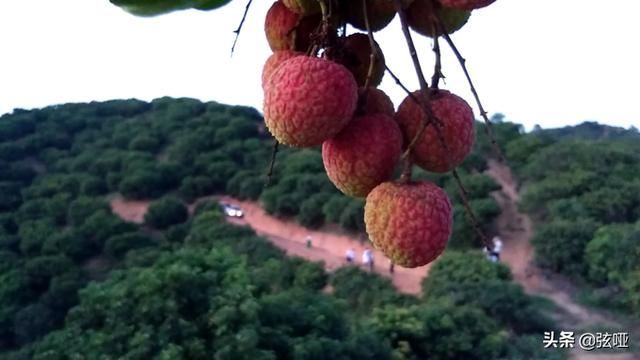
x=367, y=259
x=497, y=247
x=350, y=255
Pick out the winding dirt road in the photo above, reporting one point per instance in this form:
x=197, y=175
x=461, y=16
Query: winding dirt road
x=329, y=246
x=516, y=231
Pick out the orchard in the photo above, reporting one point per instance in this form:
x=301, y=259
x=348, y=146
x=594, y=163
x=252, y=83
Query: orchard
x=320, y=89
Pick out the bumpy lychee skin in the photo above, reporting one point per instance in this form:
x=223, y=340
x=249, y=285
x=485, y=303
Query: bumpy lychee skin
x=409, y=222
x=363, y=155
x=355, y=55
x=466, y=4
x=455, y=122
x=374, y=101
x=286, y=30
x=275, y=60
x=303, y=7
x=422, y=15
x=309, y=100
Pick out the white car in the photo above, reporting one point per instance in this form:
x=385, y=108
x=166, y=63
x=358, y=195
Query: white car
x=232, y=210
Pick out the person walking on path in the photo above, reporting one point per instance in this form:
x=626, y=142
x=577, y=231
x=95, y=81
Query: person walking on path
x=367, y=259
x=497, y=247
x=350, y=255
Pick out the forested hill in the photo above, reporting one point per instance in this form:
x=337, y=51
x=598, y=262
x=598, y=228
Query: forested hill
x=590, y=130
x=78, y=282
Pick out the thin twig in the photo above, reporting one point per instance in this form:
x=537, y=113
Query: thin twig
x=374, y=52
x=424, y=89
x=437, y=70
x=272, y=163
x=483, y=112
x=237, y=31
x=474, y=220
x=397, y=80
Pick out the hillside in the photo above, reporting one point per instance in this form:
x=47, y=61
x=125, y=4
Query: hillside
x=76, y=279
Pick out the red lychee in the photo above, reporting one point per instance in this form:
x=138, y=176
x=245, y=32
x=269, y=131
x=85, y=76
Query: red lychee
x=309, y=100
x=303, y=7
x=355, y=55
x=364, y=154
x=466, y=4
x=374, y=101
x=422, y=17
x=409, y=222
x=275, y=60
x=454, y=121
x=286, y=30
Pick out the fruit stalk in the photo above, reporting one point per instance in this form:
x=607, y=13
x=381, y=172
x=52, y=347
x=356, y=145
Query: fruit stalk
x=423, y=83
x=237, y=31
x=483, y=112
x=437, y=70
x=372, y=44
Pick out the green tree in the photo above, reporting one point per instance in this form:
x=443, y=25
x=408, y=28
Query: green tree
x=166, y=212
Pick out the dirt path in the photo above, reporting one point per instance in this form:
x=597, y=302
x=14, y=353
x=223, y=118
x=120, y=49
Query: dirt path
x=516, y=231
x=327, y=246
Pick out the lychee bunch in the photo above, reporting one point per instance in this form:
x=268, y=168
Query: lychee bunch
x=308, y=100
x=448, y=140
x=409, y=222
x=320, y=89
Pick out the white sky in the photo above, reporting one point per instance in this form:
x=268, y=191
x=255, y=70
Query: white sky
x=544, y=62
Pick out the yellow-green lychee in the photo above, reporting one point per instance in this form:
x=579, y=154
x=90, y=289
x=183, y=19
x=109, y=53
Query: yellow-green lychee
x=409, y=222
x=422, y=17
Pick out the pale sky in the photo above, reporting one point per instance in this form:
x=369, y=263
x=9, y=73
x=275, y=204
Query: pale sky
x=546, y=62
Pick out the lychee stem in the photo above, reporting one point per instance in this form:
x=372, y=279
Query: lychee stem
x=437, y=70
x=425, y=95
x=472, y=217
x=407, y=167
x=483, y=112
x=272, y=164
x=237, y=31
x=374, y=53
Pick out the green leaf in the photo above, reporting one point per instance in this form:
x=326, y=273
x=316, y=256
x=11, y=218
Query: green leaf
x=159, y=7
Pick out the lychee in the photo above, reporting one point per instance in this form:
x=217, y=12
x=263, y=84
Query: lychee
x=466, y=4
x=380, y=13
x=446, y=142
x=374, y=101
x=308, y=100
x=286, y=30
x=364, y=154
x=275, y=60
x=422, y=17
x=355, y=55
x=303, y=7
x=409, y=222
